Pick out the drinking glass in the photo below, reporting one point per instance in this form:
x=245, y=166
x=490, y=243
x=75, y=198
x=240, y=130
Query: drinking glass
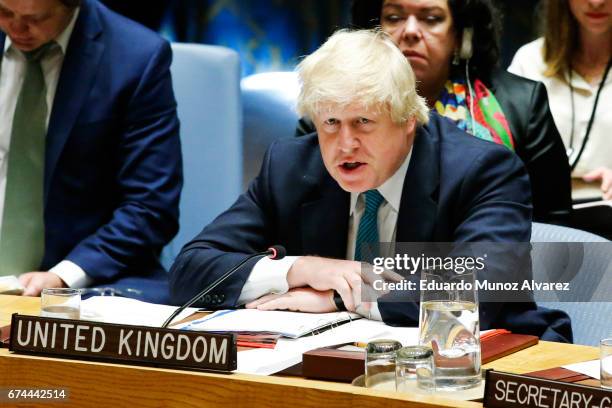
x=414, y=368
x=449, y=324
x=380, y=363
x=60, y=303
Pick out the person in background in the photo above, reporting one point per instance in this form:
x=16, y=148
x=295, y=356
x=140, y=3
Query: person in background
x=91, y=171
x=381, y=168
x=452, y=46
x=573, y=60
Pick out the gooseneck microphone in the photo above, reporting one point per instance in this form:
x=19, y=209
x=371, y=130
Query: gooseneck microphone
x=274, y=252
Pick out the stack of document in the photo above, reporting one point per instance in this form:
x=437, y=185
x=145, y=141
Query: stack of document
x=288, y=324
x=9, y=285
x=288, y=352
x=115, y=309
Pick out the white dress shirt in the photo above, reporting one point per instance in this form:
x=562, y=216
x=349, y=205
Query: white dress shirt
x=269, y=276
x=12, y=73
x=529, y=62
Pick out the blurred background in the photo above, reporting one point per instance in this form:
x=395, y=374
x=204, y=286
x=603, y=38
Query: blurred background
x=272, y=35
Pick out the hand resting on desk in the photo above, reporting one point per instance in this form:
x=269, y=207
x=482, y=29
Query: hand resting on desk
x=325, y=274
x=35, y=282
x=297, y=300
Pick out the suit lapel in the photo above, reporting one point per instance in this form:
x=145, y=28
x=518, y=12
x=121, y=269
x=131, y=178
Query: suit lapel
x=418, y=208
x=325, y=220
x=76, y=79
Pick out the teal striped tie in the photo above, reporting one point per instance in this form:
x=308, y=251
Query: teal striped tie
x=368, y=228
x=22, y=242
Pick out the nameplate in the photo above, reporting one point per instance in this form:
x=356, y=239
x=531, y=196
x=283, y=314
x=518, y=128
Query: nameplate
x=123, y=344
x=513, y=390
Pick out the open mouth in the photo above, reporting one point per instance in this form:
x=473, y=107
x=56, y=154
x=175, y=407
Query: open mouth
x=349, y=166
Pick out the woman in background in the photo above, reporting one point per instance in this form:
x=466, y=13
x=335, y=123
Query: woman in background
x=573, y=61
x=453, y=48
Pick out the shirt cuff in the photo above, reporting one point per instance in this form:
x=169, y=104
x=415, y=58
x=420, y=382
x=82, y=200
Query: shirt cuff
x=267, y=276
x=72, y=274
x=369, y=310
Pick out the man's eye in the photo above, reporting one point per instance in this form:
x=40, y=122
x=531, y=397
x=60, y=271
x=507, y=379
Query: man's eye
x=363, y=121
x=331, y=122
x=5, y=13
x=35, y=20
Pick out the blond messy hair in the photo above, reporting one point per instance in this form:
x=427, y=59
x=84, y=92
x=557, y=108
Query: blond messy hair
x=364, y=67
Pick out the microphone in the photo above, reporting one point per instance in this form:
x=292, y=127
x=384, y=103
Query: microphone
x=275, y=252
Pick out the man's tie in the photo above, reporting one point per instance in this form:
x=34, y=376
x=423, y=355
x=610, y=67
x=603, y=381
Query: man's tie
x=368, y=228
x=22, y=242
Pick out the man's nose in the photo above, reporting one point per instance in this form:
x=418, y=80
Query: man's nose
x=348, y=140
x=18, y=27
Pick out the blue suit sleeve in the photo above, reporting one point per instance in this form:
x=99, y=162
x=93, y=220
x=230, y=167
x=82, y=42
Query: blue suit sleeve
x=148, y=180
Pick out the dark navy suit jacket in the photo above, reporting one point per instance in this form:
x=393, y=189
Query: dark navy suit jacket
x=457, y=189
x=113, y=171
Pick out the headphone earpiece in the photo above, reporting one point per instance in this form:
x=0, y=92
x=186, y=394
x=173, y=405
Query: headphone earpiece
x=466, y=50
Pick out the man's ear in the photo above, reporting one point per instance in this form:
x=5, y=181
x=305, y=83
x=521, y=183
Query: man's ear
x=410, y=125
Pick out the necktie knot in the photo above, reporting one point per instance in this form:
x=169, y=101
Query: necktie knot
x=373, y=200
x=38, y=54
x=366, y=245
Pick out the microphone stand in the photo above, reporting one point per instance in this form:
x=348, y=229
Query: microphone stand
x=274, y=251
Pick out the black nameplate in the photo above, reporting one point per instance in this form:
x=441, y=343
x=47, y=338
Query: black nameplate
x=513, y=390
x=123, y=344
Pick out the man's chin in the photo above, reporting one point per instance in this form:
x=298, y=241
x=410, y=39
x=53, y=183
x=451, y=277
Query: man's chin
x=355, y=186
x=25, y=46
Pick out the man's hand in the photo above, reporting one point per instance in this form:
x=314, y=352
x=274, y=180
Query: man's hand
x=35, y=282
x=297, y=300
x=324, y=274
x=605, y=175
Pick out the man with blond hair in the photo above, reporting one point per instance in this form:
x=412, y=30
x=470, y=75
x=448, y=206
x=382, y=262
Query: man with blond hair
x=379, y=169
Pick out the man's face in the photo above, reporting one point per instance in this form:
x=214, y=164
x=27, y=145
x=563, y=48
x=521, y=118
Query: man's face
x=32, y=23
x=362, y=148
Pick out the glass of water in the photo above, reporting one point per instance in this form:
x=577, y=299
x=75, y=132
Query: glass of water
x=380, y=364
x=414, y=368
x=606, y=363
x=60, y=303
x=449, y=324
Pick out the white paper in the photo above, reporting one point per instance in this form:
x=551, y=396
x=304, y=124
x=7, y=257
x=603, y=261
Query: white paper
x=590, y=368
x=116, y=309
x=9, y=285
x=288, y=324
x=288, y=352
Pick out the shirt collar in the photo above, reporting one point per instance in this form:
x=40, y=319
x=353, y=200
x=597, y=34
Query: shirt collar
x=579, y=83
x=391, y=189
x=61, y=40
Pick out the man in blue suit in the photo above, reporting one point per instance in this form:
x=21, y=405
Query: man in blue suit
x=91, y=170
x=379, y=169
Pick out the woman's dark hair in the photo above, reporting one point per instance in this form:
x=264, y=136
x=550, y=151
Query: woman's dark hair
x=480, y=15
x=71, y=3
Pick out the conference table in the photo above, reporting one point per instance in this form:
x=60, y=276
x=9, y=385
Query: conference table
x=96, y=384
